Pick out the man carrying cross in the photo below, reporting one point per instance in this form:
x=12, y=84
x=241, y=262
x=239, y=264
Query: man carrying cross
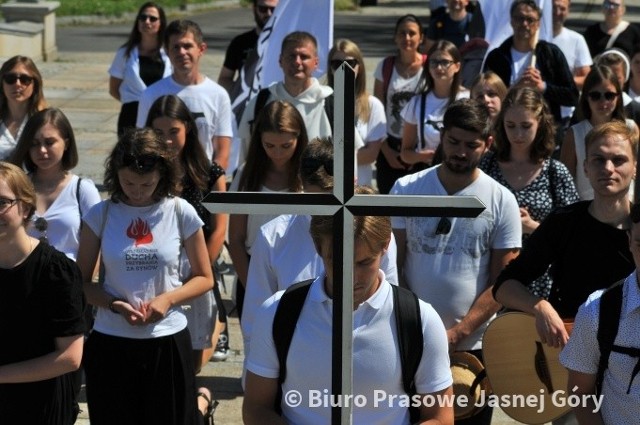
x=451, y=263
x=377, y=371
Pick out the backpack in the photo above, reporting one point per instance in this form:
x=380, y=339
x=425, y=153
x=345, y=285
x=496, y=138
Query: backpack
x=387, y=70
x=263, y=96
x=611, y=303
x=406, y=309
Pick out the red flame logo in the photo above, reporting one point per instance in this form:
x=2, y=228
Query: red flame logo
x=139, y=231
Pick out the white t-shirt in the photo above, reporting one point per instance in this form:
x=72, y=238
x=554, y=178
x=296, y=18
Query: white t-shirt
x=8, y=143
x=63, y=216
x=450, y=271
x=371, y=131
x=207, y=101
x=127, y=69
x=521, y=61
x=434, y=109
x=400, y=91
x=141, y=250
x=376, y=358
x=576, y=52
x=582, y=354
x=273, y=269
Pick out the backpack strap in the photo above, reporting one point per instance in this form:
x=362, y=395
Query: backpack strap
x=611, y=303
x=423, y=107
x=406, y=309
x=387, y=70
x=261, y=101
x=284, y=325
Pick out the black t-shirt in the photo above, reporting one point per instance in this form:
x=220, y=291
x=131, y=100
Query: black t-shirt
x=239, y=48
x=585, y=255
x=40, y=300
x=597, y=39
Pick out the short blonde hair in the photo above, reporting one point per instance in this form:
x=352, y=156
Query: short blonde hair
x=21, y=186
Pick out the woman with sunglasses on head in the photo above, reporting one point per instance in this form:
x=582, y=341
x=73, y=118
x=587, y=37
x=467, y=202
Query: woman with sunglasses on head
x=440, y=85
x=396, y=81
x=47, y=150
x=371, y=121
x=21, y=96
x=600, y=102
x=139, y=62
x=171, y=118
x=138, y=359
x=41, y=315
x=273, y=165
x=521, y=161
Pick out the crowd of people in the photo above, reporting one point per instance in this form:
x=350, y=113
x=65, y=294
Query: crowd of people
x=126, y=291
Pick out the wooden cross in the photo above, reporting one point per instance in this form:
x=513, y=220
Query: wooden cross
x=343, y=204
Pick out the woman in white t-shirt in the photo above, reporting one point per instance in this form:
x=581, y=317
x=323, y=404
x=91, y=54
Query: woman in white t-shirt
x=273, y=165
x=138, y=359
x=371, y=122
x=440, y=85
x=47, y=150
x=600, y=102
x=21, y=96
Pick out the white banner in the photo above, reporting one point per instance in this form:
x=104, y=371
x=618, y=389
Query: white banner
x=497, y=22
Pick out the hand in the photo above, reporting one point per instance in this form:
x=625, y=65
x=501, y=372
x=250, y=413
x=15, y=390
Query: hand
x=550, y=326
x=532, y=78
x=454, y=336
x=131, y=315
x=392, y=157
x=528, y=224
x=156, y=309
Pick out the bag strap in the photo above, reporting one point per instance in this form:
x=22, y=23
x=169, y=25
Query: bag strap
x=622, y=25
x=284, y=325
x=406, y=309
x=387, y=71
x=261, y=101
x=78, y=201
x=423, y=107
x=611, y=303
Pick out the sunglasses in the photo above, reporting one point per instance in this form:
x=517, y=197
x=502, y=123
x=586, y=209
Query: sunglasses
x=596, y=96
x=140, y=164
x=611, y=6
x=335, y=63
x=444, y=63
x=265, y=9
x=41, y=224
x=444, y=226
x=143, y=18
x=6, y=203
x=25, y=80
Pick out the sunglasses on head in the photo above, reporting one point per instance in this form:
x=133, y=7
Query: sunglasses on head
x=596, y=95
x=335, y=63
x=141, y=163
x=143, y=18
x=41, y=224
x=25, y=80
x=265, y=9
x=443, y=227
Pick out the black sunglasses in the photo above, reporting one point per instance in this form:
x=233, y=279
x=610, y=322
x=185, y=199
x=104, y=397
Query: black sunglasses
x=265, y=9
x=140, y=164
x=25, y=80
x=143, y=18
x=444, y=226
x=41, y=224
x=335, y=63
x=596, y=95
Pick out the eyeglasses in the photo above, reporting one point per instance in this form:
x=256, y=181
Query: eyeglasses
x=6, y=203
x=41, y=224
x=25, y=80
x=142, y=163
x=311, y=165
x=143, y=18
x=596, y=96
x=444, y=63
x=611, y=6
x=519, y=19
x=443, y=227
x=265, y=9
x=335, y=63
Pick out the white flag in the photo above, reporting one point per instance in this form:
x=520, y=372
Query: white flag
x=497, y=21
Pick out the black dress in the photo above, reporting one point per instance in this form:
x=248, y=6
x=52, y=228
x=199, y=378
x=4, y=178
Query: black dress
x=40, y=300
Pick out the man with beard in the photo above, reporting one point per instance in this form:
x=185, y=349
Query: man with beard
x=451, y=263
x=241, y=57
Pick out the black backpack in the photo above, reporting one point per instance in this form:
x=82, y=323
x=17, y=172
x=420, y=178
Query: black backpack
x=608, y=323
x=263, y=96
x=406, y=309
